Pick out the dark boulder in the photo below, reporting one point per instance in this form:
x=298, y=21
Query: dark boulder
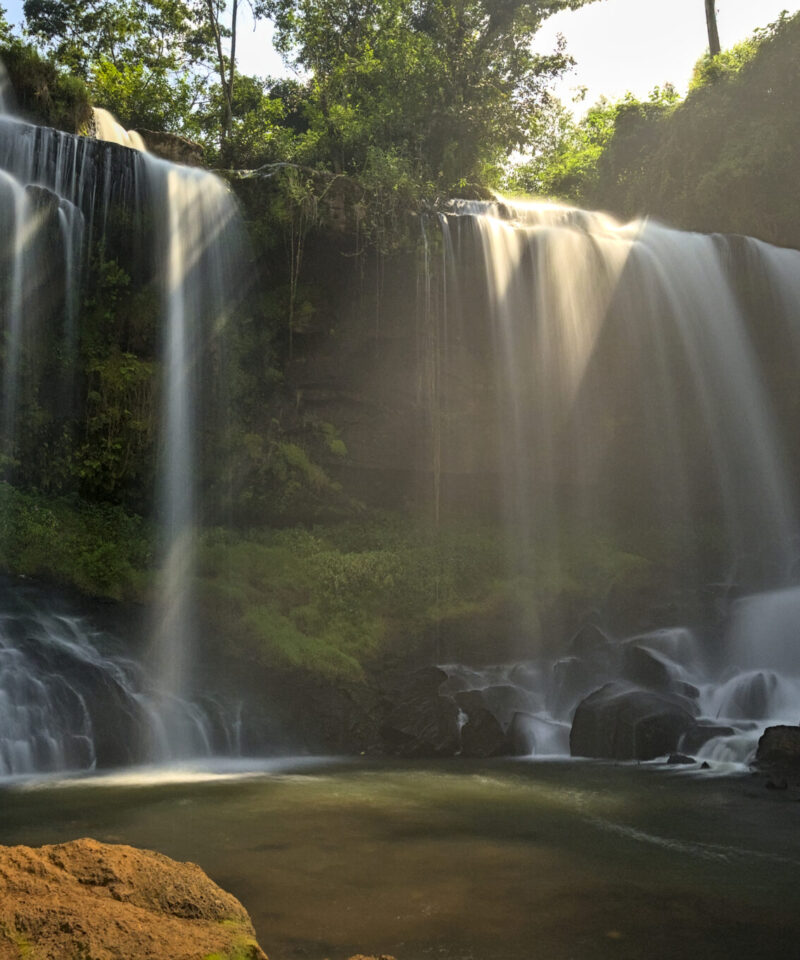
x=644, y=667
x=481, y=735
x=502, y=700
x=620, y=722
x=422, y=722
x=173, y=147
x=779, y=747
x=680, y=759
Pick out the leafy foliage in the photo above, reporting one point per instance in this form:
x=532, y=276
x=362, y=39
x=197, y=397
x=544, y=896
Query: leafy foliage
x=101, y=550
x=568, y=152
x=43, y=91
x=452, y=87
x=719, y=161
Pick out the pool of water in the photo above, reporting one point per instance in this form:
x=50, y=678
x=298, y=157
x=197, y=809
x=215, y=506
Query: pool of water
x=459, y=860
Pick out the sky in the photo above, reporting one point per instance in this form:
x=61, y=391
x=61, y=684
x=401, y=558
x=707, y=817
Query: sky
x=619, y=45
x=635, y=45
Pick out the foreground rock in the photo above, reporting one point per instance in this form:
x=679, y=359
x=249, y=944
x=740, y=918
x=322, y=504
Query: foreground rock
x=112, y=902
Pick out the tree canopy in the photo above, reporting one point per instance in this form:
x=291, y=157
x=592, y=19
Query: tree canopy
x=451, y=86
x=439, y=91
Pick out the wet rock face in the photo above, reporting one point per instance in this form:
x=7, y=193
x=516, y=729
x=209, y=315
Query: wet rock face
x=620, y=722
x=113, y=902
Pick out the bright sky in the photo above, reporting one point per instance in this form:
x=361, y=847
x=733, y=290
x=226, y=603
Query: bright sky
x=619, y=45
x=635, y=45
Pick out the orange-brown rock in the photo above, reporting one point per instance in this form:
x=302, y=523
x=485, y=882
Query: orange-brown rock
x=98, y=901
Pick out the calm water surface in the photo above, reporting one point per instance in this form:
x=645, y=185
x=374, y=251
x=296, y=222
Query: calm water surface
x=462, y=861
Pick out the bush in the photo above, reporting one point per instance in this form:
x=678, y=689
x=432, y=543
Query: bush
x=45, y=93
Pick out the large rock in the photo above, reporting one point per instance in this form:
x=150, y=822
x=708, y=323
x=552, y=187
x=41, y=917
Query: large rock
x=110, y=902
x=644, y=667
x=422, y=722
x=482, y=734
x=620, y=722
x=779, y=747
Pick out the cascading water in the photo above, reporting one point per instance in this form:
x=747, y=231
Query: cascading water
x=71, y=700
x=57, y=192
x=631, y=390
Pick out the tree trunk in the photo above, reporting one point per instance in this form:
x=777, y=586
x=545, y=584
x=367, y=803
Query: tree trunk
x=713, y=32
x=227, y=106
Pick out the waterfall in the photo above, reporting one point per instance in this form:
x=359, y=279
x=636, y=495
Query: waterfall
x=598, y=328
x=58, y=195
x=70, y=699
x=634, y=377
x=202, y=250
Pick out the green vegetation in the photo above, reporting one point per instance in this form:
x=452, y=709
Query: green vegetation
x=330, y=598
x=334, y=597
x=44, y=91
x=441, y=90
x=101, y=550
x=719, y=161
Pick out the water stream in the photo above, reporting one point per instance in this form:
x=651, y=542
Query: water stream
x=57, y=193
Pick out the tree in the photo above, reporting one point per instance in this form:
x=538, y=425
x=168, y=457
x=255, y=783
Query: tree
x=451, y=86
x=713, y=32
x=146, y=60
x=226, y=63
x=157, y=34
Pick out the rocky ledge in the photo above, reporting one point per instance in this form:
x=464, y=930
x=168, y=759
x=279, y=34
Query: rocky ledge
x=113, y=902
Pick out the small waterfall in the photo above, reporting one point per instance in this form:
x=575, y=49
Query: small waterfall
x=58, y=194
x=16, y=218
x=71, y=700
x=108, y=129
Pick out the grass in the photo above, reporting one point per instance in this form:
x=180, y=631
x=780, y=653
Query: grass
x=331, y=598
